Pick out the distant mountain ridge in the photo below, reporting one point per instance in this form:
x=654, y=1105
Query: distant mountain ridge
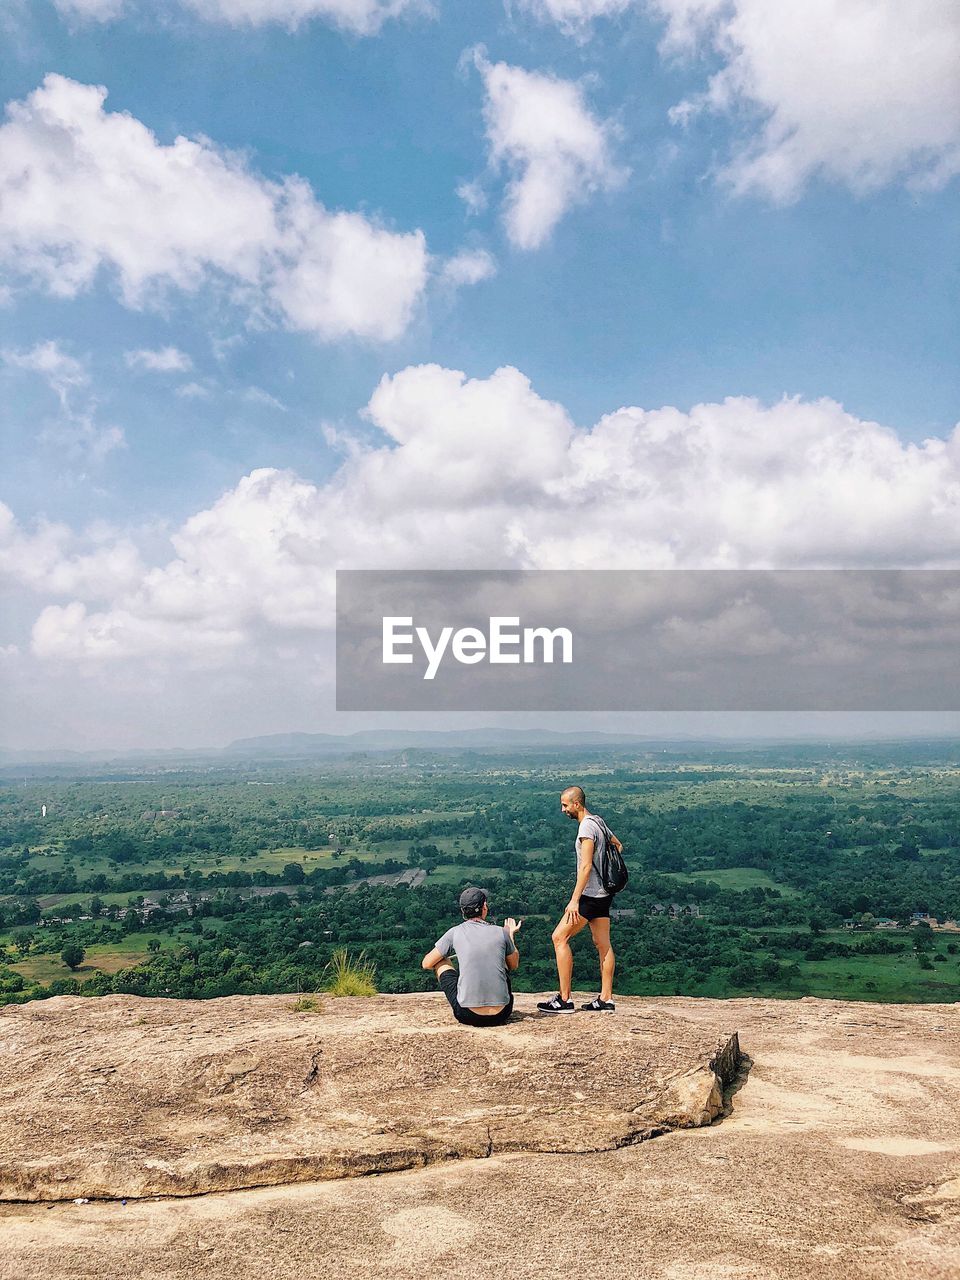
x=398, y=739
x=300, y=746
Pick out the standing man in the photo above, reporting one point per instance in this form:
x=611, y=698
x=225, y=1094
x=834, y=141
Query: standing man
x=589, y=904
x=479, y=994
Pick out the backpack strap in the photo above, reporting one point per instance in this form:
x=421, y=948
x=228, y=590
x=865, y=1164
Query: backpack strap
x=598, y=847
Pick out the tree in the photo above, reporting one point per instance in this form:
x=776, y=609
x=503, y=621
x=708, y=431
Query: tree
x=922, y=937
x=72, y=955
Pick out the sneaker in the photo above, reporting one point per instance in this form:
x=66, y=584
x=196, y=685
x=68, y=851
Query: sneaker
x=556, y=1005
x=597, y=1005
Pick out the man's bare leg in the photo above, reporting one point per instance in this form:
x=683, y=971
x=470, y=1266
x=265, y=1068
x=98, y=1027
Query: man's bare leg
x=600, y=929
x=442, y=967
x=561, y=945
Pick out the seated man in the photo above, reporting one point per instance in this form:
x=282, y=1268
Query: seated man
x=480, y=994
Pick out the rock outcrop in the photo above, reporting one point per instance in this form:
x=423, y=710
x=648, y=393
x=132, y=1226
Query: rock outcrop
x=123, y=1097
x=836, y=1158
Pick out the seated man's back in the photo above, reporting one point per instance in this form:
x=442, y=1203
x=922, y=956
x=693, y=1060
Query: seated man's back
x=481, y=950
x=479, y=994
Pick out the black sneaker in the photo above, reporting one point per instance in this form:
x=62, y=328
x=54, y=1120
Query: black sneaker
x=597, y=1005
x=556, y=1005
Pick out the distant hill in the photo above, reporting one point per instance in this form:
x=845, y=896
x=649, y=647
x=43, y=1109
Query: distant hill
x=399, y=739
x=490, y=740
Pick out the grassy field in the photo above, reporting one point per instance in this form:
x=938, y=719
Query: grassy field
x=103, y=958
x=735, y=878
x=265, y=860
x=894, y=978
x=450, y=873
x=885, y=979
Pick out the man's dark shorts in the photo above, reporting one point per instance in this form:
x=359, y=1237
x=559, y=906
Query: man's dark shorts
x=595, y=908
x=448, y=985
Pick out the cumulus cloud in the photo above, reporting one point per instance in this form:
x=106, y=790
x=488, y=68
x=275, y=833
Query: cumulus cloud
x=481, y=473
x=361, y=17
x=52, y=560
x=77, y=432
x=555, y=151
x=471, y=266
x=84, y=190
x=863, y=93
x=163, y=360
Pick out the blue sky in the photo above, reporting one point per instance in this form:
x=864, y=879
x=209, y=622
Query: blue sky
x=681, y=270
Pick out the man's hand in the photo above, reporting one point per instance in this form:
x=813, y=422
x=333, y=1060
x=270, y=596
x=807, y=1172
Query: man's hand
x=512, y=925
x=571, y=912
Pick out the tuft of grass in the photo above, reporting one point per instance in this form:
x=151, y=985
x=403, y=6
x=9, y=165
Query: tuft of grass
x=307, y=1004
x=350, y=975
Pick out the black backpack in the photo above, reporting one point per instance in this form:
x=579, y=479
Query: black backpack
x=608, y=861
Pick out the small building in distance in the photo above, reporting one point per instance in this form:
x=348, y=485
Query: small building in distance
x=675, y=909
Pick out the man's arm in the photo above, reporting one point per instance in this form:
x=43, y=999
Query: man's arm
x=440, y=951
x=510, y=927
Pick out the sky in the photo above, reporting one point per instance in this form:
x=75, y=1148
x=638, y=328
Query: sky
x=288, y=286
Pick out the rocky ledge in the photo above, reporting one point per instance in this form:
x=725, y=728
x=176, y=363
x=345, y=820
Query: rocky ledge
x=838, y=1159
x=123, y=1097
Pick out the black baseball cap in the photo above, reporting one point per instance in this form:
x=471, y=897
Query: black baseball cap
x=471, y=901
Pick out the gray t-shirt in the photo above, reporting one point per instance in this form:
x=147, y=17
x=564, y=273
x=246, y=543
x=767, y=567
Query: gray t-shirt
x=482, y=950
x=592, y=830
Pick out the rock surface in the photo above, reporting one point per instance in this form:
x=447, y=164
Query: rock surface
x=839, y=1159
x=126, y=1097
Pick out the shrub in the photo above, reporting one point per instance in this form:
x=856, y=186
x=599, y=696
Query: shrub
x=349, y=975
x=307, y=1004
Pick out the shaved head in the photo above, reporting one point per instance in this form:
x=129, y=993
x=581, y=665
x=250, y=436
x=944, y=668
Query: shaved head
x=575, y=794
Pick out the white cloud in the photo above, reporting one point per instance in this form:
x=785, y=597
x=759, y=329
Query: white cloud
x=470, y=266
x=344, y=274
x=90, y=10
x=83, y=190
x=473, y=196
x=193, y=391
x=53, y=561
x=361, y=17
x=63, y=373
x=557, y=153
x=257, y=395
x=163, y=360
x=861, y=92
x=575, y=16
x=481, y=473
x=76, y=433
